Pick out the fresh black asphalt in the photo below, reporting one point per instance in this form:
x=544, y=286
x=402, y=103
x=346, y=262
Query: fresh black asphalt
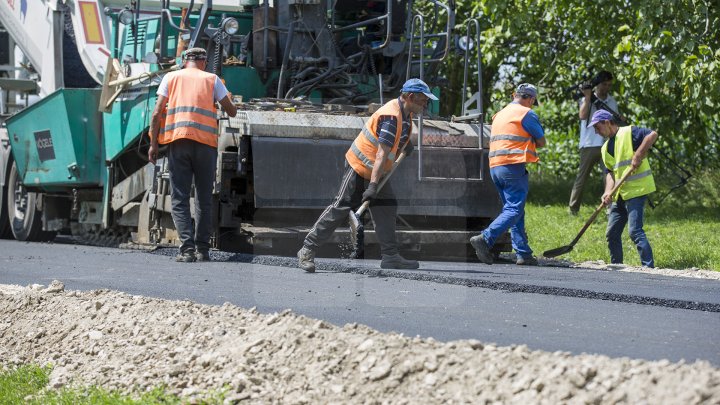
x=637, y=315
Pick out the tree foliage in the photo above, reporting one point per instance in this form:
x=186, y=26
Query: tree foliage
x=665, y=55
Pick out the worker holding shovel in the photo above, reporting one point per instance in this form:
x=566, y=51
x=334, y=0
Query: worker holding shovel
x=625, y=149
x=382, y=141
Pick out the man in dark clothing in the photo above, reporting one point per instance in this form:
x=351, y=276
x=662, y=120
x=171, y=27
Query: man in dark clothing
x=186, y=103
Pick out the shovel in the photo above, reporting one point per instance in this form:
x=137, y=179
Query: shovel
x=357, y=230
x=566, y=249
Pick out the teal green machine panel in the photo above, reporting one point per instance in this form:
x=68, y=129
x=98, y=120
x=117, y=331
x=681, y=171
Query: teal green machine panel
x=56, y=142
x=246, y=82
x=129, y=118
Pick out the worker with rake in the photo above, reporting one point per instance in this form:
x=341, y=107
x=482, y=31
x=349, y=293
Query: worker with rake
x=385, y=138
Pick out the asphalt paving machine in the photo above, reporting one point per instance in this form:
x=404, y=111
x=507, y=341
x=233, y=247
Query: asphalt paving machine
x=306, y=75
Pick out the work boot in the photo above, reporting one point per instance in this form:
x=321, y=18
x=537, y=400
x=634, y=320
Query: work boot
x=306, y=259
x=187, y=256
x=202, y=255
x=482, y=250
x=398, y=262
x=526, y=261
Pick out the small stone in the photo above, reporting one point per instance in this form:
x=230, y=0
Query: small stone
x=430, y=379
x=55, y=287
x=380, y=371
x=367, y=344
x=95, y=335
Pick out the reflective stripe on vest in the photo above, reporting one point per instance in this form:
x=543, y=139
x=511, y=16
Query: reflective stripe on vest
x=510, y=143
x=637, y=184
x=191, y=112
x=362, y=152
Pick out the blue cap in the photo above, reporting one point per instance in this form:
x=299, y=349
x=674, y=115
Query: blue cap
x=417, y=86
x=600, y=115
x=529, y=90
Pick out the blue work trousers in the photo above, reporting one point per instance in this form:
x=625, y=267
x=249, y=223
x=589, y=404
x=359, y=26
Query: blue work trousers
x=511, y=182
x=621, y=213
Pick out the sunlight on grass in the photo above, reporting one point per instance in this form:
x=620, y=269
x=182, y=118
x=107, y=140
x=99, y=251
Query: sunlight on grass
x=27, y=384
x=681, y=235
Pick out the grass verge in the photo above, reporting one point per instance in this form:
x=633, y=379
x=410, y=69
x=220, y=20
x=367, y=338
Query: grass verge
x=28, y=384
x=684, y=231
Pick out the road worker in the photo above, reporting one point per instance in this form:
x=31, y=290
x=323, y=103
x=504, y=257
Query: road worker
x=385, y=135
x=514, y=138
x=186, y=108
x=626, y=148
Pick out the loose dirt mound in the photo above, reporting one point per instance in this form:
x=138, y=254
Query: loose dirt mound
x=121, y=341
x=692, y=272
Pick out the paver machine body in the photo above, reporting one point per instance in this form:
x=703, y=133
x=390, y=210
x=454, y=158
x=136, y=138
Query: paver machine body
x=306, y=75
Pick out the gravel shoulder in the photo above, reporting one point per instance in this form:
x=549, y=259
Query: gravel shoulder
x=692, y=272
x=128, y=342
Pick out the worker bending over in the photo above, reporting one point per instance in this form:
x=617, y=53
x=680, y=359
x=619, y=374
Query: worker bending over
x=385, y=135
x=186, y=103
x=626, y=149
x=516, y=133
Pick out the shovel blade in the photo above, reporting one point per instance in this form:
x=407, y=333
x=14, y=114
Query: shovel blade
x=558, y=251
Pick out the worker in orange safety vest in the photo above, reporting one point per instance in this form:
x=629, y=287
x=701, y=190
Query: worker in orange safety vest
x=514, y=138
x=185, y=119
x=381, y=141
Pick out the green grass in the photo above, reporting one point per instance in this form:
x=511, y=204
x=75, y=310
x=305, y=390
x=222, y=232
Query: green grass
x=684, y=231
x=27, y=384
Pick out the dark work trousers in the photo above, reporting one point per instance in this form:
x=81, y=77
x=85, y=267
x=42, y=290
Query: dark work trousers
x=188, y=160
x=590, y=158
x=383, y=210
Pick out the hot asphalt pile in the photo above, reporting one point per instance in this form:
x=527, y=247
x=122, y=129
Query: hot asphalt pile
x=127, y=342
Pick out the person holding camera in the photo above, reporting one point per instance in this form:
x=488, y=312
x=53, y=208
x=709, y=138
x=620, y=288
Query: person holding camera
x=590, y=141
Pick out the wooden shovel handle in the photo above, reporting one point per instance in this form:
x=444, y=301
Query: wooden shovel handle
x=614, y=190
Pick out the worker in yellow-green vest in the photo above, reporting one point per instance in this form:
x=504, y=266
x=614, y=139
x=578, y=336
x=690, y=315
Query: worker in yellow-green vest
x=626, y=149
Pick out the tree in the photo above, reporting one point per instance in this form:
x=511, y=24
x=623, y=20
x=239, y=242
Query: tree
x=665, y=55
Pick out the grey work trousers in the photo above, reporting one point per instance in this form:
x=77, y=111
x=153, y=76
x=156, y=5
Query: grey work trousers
x=383, y=210
x=187, y=161
x=589, y=158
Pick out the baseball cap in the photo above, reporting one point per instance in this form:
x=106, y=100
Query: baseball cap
x=600, y=115
x=196, y=54
x=528, y=90
x=417, y=86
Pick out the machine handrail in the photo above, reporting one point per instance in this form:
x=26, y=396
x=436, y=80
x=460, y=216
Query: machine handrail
x=447, y=34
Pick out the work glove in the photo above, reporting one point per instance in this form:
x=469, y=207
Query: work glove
x=409, y=148
x=370, y=193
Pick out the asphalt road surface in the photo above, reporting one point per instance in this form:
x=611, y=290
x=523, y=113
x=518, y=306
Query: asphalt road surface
x=613, y=313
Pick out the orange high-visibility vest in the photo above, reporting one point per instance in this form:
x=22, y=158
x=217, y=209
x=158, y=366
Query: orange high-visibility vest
x=191, y=112
x=510, y=143
x=361, y=154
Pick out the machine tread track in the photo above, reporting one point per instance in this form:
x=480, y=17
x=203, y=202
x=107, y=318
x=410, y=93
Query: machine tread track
x=92, y=235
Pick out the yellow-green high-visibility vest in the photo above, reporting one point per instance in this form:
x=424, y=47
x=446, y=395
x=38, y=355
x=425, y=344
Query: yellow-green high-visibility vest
x=637, y=184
